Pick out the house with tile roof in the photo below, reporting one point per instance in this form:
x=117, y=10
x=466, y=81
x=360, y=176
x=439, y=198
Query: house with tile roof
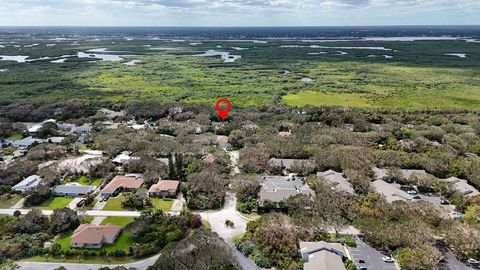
x=164, y=188
x=122, y=183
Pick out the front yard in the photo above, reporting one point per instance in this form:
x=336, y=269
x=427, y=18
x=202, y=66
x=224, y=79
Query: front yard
x=54, y=203
x=114, y=204
x=120, y=221
x=9, y=201
x=162, y=204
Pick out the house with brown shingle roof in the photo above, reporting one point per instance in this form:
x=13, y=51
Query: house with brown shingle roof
x=122, y=183
x=94, y=236
x=164, y=188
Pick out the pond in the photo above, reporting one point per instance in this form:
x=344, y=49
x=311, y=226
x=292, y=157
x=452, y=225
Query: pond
x=461, y=55
x=16, y=58
x=132, y=63
x=226, y=56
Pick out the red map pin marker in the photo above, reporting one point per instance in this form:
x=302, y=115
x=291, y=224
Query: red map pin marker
x=223, y=113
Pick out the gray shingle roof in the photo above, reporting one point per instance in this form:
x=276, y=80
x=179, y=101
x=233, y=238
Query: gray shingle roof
x=73, y=189
x=279, y=188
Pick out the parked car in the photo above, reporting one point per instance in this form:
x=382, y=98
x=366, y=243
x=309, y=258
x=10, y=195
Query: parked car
x=457, y=215
x=412, y=192
x=416, y=198
x=388, y=259
x=473, y=261
x=444, y=201
x=81, y=203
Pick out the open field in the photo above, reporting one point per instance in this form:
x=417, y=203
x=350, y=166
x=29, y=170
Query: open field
x=416, y=74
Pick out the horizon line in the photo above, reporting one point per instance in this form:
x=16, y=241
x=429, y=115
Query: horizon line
x=245, y=26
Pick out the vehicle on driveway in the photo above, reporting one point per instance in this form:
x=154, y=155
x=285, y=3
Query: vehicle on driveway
x=388, y=259
x=81, y=203
x=444, y=201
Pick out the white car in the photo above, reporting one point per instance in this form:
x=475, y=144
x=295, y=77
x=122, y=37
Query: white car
x=388, y=259
x=473, y=261
x=412, y=192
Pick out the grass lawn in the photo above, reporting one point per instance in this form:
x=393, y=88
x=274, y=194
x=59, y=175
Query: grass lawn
x=54, y=203
x=87, y=219
x=120, y=221
x=7, y=203
x=15, y=137
x=206, y=224
x=161, y=204
x=86, y=181
x=114, y=204
x=90, y=260
x=251, y=215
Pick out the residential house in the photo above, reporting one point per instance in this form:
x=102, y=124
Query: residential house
x=122, y=183
x=72, y=190
x=55, y=140
x=290, y=164
x=462, y=186
x=28, y=183
x=123, y=157
x=337, y=180
x=322, y=256
x=164, y=188
x=37, y=126
x=208, y=158
x=26, y=142
x=222, y=141
x=94, y=236
x=280, y=188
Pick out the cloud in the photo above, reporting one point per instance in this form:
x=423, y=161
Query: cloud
x=238, y=12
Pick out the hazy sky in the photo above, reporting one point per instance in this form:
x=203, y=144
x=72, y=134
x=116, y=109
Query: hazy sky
x=237, y=12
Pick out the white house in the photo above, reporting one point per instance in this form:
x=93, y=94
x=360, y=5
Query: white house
x=28, y=183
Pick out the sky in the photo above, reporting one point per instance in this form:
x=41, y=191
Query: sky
x=238, y=12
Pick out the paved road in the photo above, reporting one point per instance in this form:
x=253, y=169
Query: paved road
x=452, y=263
x=234, y=156
x=371, y=256
x=217, y=219
x=140, y=265
x=92, y=213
